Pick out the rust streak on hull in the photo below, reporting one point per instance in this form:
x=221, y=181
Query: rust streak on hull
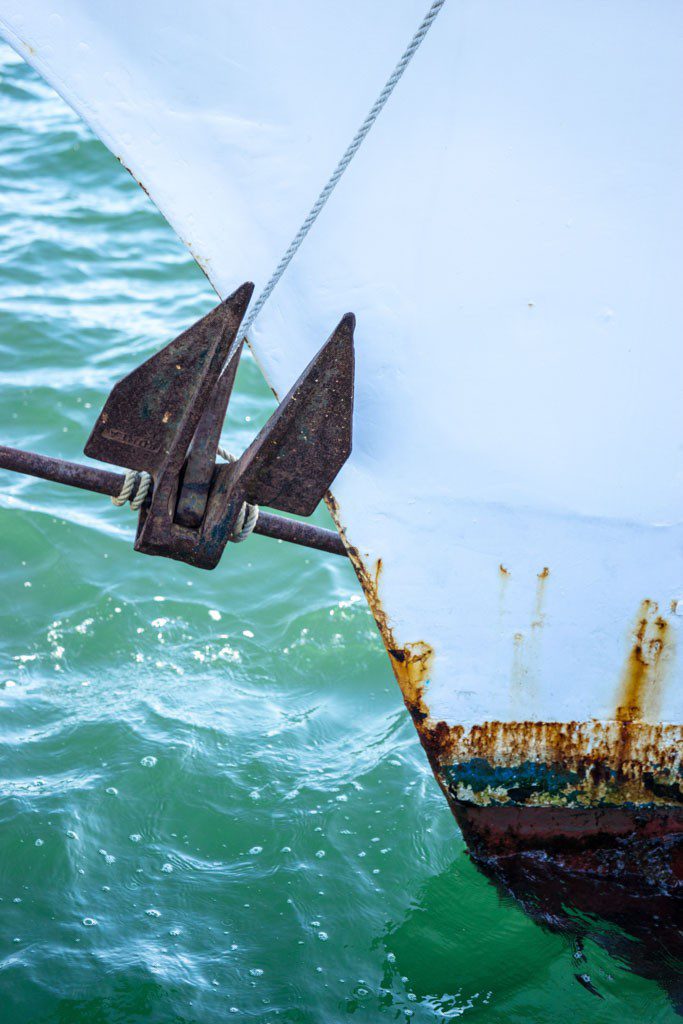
x=644, y=675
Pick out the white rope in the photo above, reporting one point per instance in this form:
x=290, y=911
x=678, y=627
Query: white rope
x=135, y=488
x=248, y=514
x=127, y=489
x=143, y=488
x=346, y=159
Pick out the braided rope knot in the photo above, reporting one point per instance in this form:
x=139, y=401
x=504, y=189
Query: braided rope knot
x=247, y=516
x=135, y=489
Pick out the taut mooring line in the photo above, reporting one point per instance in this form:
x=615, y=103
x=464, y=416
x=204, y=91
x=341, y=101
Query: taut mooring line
x=346, y=159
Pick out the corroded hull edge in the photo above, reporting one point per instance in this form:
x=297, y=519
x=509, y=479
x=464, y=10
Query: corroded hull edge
x=608, y=808
x=590, y=825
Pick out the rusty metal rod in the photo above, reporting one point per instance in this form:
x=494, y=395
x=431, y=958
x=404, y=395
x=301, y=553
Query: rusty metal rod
x=102, y=481
x=295, y=532
x=74, y=474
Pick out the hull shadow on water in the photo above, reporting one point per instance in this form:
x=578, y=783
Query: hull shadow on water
x=638, y=925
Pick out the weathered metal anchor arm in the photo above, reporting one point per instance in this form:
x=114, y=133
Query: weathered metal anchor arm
x=103, y=481
x=165, y=419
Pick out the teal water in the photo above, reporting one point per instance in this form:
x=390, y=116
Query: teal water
x=213, y=806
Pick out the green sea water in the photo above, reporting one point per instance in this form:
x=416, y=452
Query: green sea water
x=213, y=806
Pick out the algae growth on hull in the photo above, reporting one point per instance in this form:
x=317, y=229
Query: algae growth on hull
x=213, y=805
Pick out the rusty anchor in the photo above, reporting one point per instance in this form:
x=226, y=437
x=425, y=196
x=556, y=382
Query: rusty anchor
x=165, y=419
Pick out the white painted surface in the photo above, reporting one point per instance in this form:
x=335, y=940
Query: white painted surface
x=509, y=237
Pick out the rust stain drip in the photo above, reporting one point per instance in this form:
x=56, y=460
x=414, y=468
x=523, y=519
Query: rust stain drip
x=503, y=581
x=525, y=654
x=640, y=689
x=539, y=614
x=519, y=676
x=641, y=684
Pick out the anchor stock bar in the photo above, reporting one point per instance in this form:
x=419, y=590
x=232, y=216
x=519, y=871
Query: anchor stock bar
x=103, y=481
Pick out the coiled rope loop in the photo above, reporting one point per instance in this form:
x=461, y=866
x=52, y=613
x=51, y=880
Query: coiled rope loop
x=135, y=489
x=248, y=514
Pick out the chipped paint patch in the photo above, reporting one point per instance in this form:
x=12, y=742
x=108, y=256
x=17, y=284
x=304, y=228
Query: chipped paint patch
x=136, y=180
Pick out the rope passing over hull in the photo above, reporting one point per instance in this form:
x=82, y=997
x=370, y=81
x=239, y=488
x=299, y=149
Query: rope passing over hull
x=344, y=162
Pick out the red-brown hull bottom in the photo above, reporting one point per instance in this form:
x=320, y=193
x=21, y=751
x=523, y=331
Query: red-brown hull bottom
x=614, y=866
x=616, y=843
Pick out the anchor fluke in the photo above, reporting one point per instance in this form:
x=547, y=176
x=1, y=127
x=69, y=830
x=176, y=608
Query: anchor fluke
x=155, y=408
x=298, y=453
x=166, y=418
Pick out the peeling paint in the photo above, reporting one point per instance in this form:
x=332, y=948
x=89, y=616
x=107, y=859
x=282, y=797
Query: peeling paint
x=571, y=764
x=136, y=180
